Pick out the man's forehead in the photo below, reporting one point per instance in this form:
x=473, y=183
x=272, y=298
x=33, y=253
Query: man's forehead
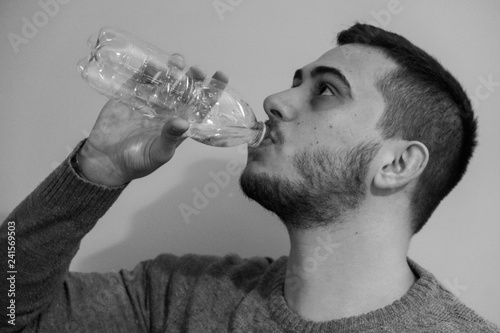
x=356, y=59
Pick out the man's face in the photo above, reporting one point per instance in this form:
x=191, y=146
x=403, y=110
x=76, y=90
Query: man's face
x=323, y=137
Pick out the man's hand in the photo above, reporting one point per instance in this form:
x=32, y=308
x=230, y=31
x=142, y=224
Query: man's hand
x=125, y=145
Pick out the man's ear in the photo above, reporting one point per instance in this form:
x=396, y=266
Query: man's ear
x=403, y=162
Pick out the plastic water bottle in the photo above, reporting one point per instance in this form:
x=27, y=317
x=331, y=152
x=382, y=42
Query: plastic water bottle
x=154, y=83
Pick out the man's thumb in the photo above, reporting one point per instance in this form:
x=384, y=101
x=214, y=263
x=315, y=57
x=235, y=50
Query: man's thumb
x=171, y=136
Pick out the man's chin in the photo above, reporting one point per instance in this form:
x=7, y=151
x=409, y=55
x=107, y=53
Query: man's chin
x=278, y=196
x=251, y=180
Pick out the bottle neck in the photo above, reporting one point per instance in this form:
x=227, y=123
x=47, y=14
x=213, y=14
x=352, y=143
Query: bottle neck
x=262, y=132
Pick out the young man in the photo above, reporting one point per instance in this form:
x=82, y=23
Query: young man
x=363, y=146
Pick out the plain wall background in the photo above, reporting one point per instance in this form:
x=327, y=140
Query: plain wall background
x=46, y=109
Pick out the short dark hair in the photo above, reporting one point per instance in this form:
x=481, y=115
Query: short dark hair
x=424, y=102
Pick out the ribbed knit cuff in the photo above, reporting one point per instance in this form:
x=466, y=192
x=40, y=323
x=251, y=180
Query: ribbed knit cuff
x=65, y=191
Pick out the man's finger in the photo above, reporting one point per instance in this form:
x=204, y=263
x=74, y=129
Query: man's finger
x=177, y=60
x=217, y=85
x=197, y=73
x=220, y=79
x=172, y=134
x=173, y=130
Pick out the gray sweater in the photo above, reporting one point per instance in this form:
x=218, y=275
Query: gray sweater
x=191, y=293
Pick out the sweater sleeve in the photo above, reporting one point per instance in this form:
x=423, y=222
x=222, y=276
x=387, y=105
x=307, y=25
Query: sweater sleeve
x=38, y=241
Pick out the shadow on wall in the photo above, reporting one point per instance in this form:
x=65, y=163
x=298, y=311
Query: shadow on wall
x=217, y=220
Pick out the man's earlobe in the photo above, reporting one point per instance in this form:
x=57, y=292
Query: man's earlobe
x=405, y=164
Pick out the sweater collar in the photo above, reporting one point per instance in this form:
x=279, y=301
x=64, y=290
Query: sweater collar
x=419, y=294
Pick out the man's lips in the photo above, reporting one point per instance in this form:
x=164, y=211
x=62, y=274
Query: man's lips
x=271, y=137
x=273, y=134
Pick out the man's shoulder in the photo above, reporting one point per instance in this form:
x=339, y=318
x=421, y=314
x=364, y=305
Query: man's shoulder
x=457, y=317
x=230, y=266
x=464, y=318
x=445, y=312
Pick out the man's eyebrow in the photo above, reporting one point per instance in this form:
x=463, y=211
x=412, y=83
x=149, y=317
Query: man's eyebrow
x=320, y=70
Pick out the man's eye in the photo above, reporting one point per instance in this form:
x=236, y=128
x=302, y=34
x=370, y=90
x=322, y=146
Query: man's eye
x=325, y=90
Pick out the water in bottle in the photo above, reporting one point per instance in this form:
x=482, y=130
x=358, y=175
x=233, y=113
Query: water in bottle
x=155, y=83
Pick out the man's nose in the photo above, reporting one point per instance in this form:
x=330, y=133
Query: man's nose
x=281, y=106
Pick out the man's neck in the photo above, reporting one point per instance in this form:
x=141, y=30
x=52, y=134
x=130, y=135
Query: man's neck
x=333, y=274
